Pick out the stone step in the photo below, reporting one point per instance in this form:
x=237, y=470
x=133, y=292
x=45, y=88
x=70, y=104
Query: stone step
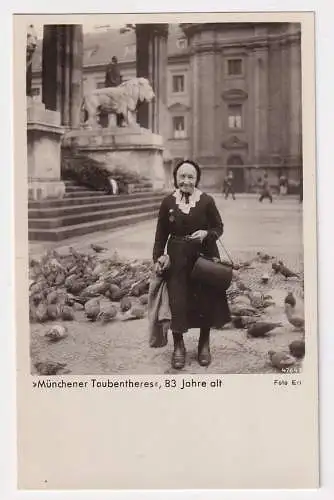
x=60, y=234
x=73, y=188
x=79, y=193
x=115, y=203
x=140, y=189
x=72, y=220
x=84, y=200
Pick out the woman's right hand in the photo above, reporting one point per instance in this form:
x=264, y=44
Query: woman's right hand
x=162, y=264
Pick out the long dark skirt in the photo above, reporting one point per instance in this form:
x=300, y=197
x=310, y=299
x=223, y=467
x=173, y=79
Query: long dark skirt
x=193, y=305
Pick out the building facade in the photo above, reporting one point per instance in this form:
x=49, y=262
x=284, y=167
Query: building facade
x=233, y=96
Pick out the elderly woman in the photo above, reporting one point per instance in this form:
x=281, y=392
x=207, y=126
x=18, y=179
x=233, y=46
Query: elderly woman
x=189, y=220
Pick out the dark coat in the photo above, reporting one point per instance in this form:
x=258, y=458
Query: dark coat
x=192, y=304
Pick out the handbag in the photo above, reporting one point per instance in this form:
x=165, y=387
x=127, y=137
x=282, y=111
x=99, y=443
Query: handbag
x=213, y=272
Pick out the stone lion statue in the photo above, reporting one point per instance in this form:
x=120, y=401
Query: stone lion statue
x=116, y=100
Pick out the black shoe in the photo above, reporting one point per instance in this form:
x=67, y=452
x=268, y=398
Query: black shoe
x=204, y=355
x=179, y=356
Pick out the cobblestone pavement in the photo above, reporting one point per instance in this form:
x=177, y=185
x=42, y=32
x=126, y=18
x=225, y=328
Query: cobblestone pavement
x=122, y=347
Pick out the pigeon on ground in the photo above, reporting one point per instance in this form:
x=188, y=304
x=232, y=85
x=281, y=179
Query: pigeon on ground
x=264, y=257
x=57, y=332
x=295, y=317
x=265, y=278
x=275, y=267
x=242, y=287
x=92, y=309
x=297, y=348
x=286, y=272
x=49, y=367
x=262, y=328
x=97, y=248
x=281, y=360
x=242, y=321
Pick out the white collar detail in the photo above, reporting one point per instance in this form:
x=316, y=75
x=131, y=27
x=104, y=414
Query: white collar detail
x=193, y=200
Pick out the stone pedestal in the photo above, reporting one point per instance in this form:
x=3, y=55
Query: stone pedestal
x=134, y=150
x=44, y=135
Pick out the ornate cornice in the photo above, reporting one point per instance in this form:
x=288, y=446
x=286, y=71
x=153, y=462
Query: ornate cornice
x=207, y=48
x=234, y=95
x=248, y=41
x=234, y=143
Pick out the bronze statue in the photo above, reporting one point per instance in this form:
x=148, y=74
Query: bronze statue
x=30, y=49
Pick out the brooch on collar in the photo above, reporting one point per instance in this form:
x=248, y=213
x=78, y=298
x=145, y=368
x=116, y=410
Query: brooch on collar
x=171, y=215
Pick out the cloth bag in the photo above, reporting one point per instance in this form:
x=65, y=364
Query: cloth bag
x=213, y=272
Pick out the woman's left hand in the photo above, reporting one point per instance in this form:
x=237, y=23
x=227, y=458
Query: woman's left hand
x=199, y=235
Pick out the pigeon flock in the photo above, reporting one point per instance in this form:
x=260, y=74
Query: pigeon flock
x=252, y=305
x=96, y=288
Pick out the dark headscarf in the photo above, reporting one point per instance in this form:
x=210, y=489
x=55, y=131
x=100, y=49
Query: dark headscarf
x=194, y=164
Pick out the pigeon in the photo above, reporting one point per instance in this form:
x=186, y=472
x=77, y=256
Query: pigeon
x=295, y=317
x=107, y=314
x=297, y=348
x=265, y=278
x=261, y=328
x=242, y=321
x=256, y=299
x=263, y=257
x=242, y=310
x=281, y=360
x=97, y=248
x=286, y=272
x=57, y=332
x=275, y=267
x=136, y=312
x=125, y=304
x=49, y=367
x=92, y=309
x=242, y=287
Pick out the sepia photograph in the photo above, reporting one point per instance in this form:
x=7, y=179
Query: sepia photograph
x=165, y=251
x=165, y=198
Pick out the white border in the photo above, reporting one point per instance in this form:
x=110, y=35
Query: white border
x=325, y=86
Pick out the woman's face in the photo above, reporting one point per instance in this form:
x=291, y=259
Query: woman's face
x=186, y=178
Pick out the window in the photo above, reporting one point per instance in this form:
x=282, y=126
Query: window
x=178, y=83
x=178, y=127
x=234, y=67
x=35, y=91
x=181, y=43
x=235, y=116
x=100, y=85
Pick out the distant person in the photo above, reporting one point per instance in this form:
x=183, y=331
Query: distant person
x=229, y=185
x=283, y=185
x=113, y=78
x=112, y=186
x=265, y=191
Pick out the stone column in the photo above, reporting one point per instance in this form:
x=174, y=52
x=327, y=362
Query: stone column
x=205, y=64
x=62, y=71
x=295, y=122
x=261, y=103
x=151, y=57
